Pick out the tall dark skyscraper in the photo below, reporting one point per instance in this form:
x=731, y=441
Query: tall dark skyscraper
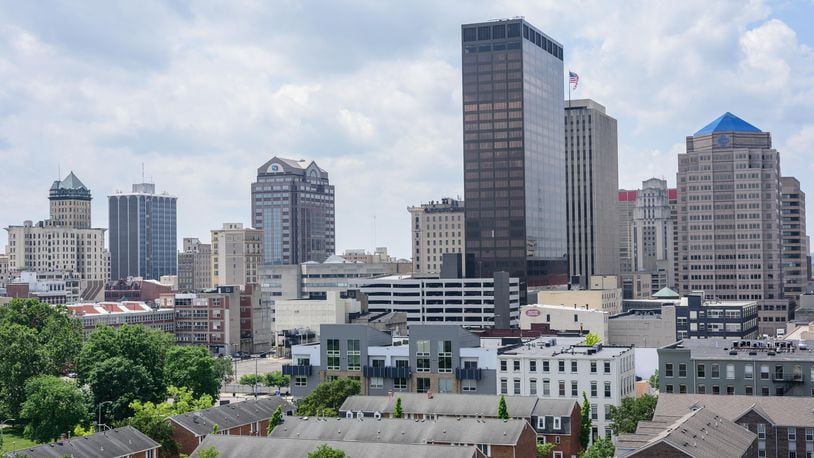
x=143, y=233
x=293, y=204
x=514, y=152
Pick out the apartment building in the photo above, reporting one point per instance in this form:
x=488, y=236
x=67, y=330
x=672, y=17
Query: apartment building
x=563, y=368
x=237, y=254
x=795, y=240
x=470, y=302
x=194, y=265
x=434, y=358
x=436, y=228
x=730, y=366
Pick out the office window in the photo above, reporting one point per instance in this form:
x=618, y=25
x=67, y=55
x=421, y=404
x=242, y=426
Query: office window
x=607, y=367
x=504, y=386
x=593, y=367
x=469, y=385
x=730, y=371
x=422, y=356
x=445, y=356
x=748, y=372
x=593, y=389
x=354, y=355
x=516, y=386
x=607, y=389
x=532, y=387
x=333, y=354
x=668, y=370
x=716, y=370
x=574, y=389
x=700, y=370
x=682, y=370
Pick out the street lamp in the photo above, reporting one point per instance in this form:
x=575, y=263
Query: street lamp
x=2, y=427
x=99, y=409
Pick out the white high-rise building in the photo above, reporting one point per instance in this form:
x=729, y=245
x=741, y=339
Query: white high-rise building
x=651, y=237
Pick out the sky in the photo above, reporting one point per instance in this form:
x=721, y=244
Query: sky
x=203, y=93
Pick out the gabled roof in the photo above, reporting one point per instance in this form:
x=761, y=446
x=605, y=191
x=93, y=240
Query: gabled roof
x=797, y=411
x=243, y=446
x=202, y=422
x=666, y=293
x=114, y=443
x=398, y=431
x=727, y=122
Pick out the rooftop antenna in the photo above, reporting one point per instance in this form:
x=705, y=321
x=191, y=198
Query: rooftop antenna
x=142, y=172
x=59, y=170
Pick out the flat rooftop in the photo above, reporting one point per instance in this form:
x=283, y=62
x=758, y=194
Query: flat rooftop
x=746, y=350
x=566, y=347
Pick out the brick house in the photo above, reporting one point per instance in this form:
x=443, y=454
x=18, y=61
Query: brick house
x=120, y=442
x=245, y=418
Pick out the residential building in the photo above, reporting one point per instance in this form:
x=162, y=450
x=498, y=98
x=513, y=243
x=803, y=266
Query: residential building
x=227, y=446
x=561, y=318
x=555, y=421
x=651, y=237
x=437, y=228
x=63, y=243
x=245, y=418
x=700, y=432
x=603, y=294
x=795, y=241
x=237, y=254
x=195, y=265
x=591, y=179
x=435, y=358
x=143, y=233
x=293, y=206
x=309, y=314
x=563, y=368
x=697, y=318
x=493, y=437
x=784, y=426
x=643, y=328
x=514, y=153
x=731, y=366
x=113, y=443
x=470, y=302
x=625, y=203
x=51, y=287
x=115, y=314
x=729, y=218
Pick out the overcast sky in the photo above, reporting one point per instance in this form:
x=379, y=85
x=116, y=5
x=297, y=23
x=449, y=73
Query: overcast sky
x=203, y=93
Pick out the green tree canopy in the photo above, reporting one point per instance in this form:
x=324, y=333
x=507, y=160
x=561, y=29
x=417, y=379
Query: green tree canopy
x=251, y=379
x=592, y=339
x=398, y=412
x=502, y=411
x=209, y=452
x=52, y=407
x=223, y=367
x=275, y=420
x=585, y=427
x=151, y=419
x=328, y=395
x=324, y=451
x=627, y=416
x=116, y=379
x=21, y=357
x=654, y=380
x=601, y=448
x=277, y=379
x=194, y=368
x=544, y=450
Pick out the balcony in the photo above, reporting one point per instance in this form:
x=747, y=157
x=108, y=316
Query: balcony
x=386, y=372
x=468, y=373
x=294, y=370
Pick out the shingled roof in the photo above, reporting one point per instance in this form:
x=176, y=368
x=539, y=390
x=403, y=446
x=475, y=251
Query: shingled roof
x=797, y=411
x=114, y=443
x=201, y=422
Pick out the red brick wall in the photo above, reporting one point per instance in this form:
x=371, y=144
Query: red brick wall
x=186, y=439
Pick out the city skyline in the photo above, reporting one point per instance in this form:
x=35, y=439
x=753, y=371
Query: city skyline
x=181, y=86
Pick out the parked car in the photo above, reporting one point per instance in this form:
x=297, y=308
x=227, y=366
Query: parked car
x=240, y=355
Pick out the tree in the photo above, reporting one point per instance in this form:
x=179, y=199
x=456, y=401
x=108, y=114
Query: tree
x=601, y=448
x=124, y=364
x=626, y=417
x=398, y=412
x=223, y=367
x=544, y=450
x=654, y=380
x=328, y=395
x=585, y=429
x=21, y=357
x=277, y=379
x=502, y=411
x=194, y=368
x=592, y=339
x=209, y=452
x=324, y=451
x=151, y=419
x=276, y=419
x=251, y=379
x=52, y=407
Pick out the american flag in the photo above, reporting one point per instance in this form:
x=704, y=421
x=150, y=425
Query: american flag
x=573, y=78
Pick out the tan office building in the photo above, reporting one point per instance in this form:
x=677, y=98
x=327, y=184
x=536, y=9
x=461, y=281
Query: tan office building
x=236, y=254
x=195, y=265
x=436, y=228
x=795, y=240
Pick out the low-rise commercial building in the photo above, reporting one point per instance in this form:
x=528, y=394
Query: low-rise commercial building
x=194, y=266
x=437, y=358
x=136, y=290
x=311, y=313
x=697, y=318
x=116, y=314
x=731, y=366
x=560, y=318
x=50, y=287
x=648, y=328
x=563, y=368
x=603, y=294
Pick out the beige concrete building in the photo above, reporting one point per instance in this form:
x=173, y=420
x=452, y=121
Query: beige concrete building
x=795, y=241
x=65, y=242
x=591, y=181
x=565, y=319
x=195, y=266
x=625, y=203
x=729, y=218
x=236, y=254
x=651, y=236
x=603, y=294
x=309, y=314
x=436, y=228
x=4, y=271
x=643, y=328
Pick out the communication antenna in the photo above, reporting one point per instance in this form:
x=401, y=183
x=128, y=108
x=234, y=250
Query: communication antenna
x=142, y=172
x=59, y=170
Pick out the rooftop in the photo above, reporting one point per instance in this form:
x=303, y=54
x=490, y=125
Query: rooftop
x=745, y=350
x=109, y=308
x=779, y=410
x=399, y=431
x=228, y=416
x=70, y=182
x=727, y=122
x=117, y=442
x=551, y=347
x=666, y=293
x=564, y=307
x=243, y=446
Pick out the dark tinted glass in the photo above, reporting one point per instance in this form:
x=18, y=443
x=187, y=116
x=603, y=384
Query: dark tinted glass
x=513, y=30
x=499, y=31
x=470, y=34
x=484, y=33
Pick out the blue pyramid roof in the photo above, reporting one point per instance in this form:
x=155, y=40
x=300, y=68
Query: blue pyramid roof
x=727, y=122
